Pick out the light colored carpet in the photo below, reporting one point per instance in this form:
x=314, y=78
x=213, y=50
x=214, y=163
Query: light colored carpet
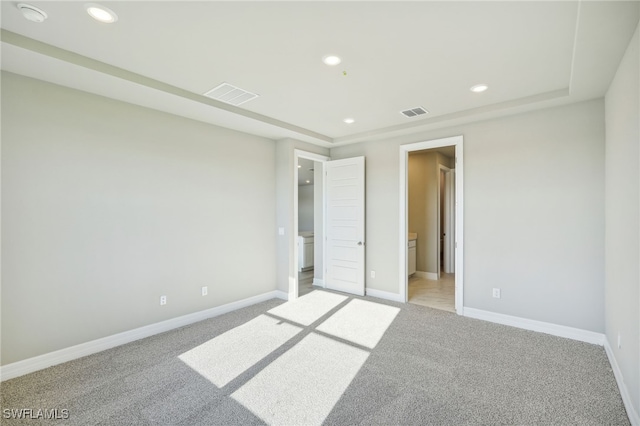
x=430, y=367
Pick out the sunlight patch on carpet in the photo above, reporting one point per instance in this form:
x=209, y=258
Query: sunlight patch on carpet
x=360, y=322
x=225, y=357
x=303, y=385
x=309, y=308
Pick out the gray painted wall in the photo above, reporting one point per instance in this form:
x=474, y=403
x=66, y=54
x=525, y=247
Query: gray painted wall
x=534, y=213
x=106, y=206
x=622, y=309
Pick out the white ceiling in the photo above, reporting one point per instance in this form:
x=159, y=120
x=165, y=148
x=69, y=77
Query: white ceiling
x=396, y=55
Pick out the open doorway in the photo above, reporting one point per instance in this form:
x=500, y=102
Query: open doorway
x=429, y=283
x=431, y=223
x=309, y=209
x=310, y=218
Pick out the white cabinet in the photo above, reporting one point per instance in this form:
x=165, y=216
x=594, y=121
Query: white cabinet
x=411, y=255
x=305, y=253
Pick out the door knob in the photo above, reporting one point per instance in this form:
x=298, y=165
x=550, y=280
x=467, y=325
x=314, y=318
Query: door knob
x=360, y=243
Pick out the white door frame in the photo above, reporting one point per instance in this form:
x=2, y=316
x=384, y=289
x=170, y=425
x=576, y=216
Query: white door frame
x=441, y=168
x=450, y=209
x=457, y=142
x=297, y=153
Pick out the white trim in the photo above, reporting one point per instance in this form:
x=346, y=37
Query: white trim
x=456, y=141
x=381, y=294
x=427, y=275
x=40, y=362
x=459, y=228
x=309, y=156
x=281, y=295
x=539, y=326
x=441, y=168
x=318, y=282
x=449, y=248
x=634, y=418
x=298, y=153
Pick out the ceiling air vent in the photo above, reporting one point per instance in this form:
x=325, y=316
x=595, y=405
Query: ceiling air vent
x=230, y=94
x=414, y=112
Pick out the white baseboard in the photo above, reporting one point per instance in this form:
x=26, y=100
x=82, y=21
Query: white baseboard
x=40, y=362
x=533, y=325
x=319, y=282
x=427, y=275
x=395, y=297
x=279, y=294
x=634, y=418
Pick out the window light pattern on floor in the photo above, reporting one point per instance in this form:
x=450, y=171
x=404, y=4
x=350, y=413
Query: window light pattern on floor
x=309, y=308
x=223, y=358
x=304, y=383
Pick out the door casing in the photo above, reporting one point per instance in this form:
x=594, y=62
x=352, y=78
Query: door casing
x=457, y=142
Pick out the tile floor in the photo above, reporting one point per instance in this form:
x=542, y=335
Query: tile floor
x=438, y=294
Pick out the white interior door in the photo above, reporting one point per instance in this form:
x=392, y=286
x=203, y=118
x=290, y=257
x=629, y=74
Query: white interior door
x=449, y=222
x=345, y=245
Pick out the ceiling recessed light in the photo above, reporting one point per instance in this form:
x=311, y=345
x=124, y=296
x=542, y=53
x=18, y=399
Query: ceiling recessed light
x=299, y=166
x=101, y=13
x=349, y=120
x=308, y=181
x=479, y=88
x=32, y=13
x=331, y=60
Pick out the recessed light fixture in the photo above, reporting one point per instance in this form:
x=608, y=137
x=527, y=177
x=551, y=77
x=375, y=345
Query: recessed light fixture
x=101, y=13
x=479, y=88
x=308, y=181
x=331, y=60
x=349, y=120
x=299, y=166
x=32, y=13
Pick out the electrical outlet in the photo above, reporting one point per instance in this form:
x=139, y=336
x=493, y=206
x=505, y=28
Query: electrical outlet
x=619, y=340
x=496, y=293
x=280, y=231
x=163, y=300
x=373, y=274
x=205, y=290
